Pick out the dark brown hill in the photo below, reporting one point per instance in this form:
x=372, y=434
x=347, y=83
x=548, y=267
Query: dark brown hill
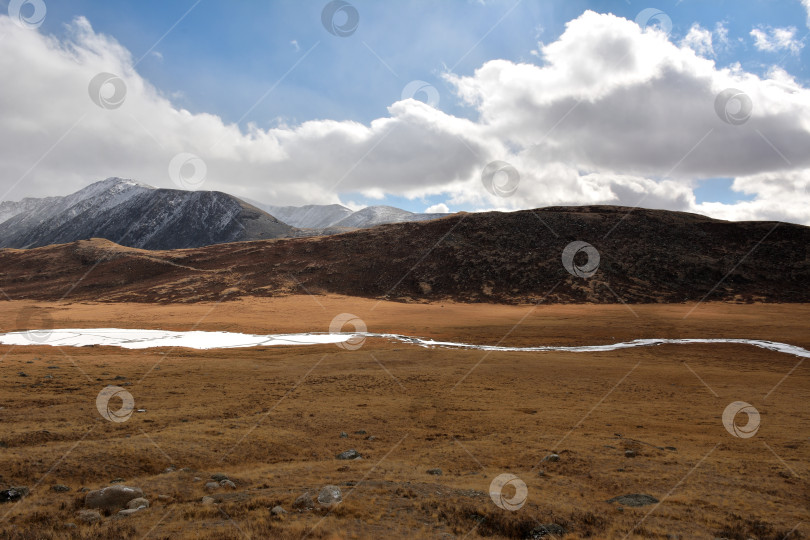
x=646, y=256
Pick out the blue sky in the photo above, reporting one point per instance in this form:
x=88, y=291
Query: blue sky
x=224, y=55
x=221, y=57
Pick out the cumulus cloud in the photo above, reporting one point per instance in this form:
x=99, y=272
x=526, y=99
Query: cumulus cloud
x=699, y=40
x=440, y=208
x=612, y=115
x=776, y=39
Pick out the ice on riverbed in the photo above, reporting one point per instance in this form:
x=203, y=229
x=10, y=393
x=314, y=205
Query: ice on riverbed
x=146, y=339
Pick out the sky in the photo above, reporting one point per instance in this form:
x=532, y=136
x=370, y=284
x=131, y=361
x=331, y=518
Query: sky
x=429, y=106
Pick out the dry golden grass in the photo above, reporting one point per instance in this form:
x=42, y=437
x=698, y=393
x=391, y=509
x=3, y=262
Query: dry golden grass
x=270, y=418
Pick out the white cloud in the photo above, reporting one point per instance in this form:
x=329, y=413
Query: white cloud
x=613, y=115
x=721, y=35
x=440, y=208
x=699, y=40
x=776, y=39
x=806, y=4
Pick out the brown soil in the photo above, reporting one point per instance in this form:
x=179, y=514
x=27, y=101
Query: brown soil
x=270, y=418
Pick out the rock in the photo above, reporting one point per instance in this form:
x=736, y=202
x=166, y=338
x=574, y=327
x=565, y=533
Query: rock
x=435, y=472
x=130, y=511
x=344, y=435
x=304, y=502
x=140, y=502
x=168, y=470
x=117, y=480
x=112, y=498
x=349, y=454
x=211, y=486
x=208, y=501
x=89, y=516
x=227, y=483
x=629, y=453
x=330, y=496
x=60, y=488
x=360, y=432
x=219, y=477
x=550, y=529
x=13, y=494
x=22, y=374
x=552, y=458
x=634, y=499
x=371, y=438
x=196, y=479
x=277, y=510
x=163, y=498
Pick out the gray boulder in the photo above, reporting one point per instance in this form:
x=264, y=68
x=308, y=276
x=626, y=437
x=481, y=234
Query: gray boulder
x=304, y=502
x=112, y=498
x=89, y=516
x=330, y=496
x=349, y=454
x=634, y=499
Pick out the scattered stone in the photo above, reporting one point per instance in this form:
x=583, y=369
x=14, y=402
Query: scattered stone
x=196, y=479
x=163, y=498
x=168, y=470
x=349, y=454
x=634, y=499
x=211, y=486
x=360, y=432
x=219, y=477
x=552, y=458
x=550, y=529
x=208, y=501
x=130, y=511
x=304, y=502
x=116, y=480
x=277, y=510
x=344, y=435
x=140, y=502
x=89, y=516
x=435, y=472
x=13, y=494
x=629, y=453
x=112, y=498
x=48, y=377
x=227, y=483
x=330, y=496
x=22, y=374
x=60, y=488
x=371, y=438
x=119, y=378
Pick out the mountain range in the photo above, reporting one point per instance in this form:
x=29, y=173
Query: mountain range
x=141, y=216
x=516, y=257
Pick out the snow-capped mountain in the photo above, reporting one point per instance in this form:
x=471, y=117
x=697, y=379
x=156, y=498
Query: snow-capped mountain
x=335, y=216
x=311, y=216
x=136, y=215
x=378, y=215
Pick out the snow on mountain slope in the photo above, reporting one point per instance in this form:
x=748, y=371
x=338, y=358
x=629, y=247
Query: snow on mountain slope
x=311, y=216
x=378, y=215
x=137, y=215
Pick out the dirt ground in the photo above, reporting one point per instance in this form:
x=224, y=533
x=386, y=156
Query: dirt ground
x=635, y=421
